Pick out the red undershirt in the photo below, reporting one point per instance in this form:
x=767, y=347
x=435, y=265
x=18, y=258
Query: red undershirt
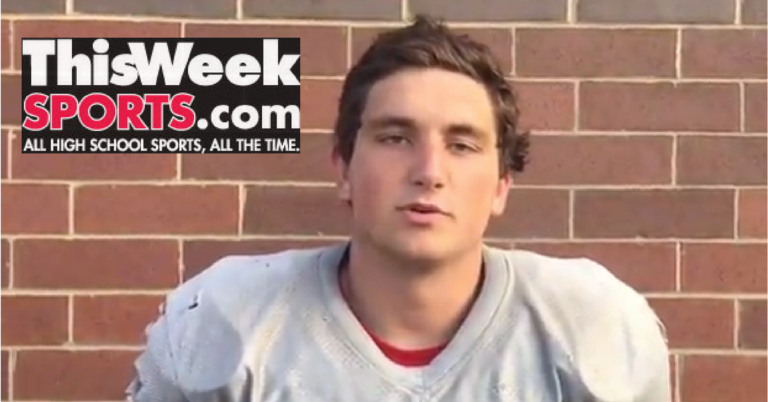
x=403, y=357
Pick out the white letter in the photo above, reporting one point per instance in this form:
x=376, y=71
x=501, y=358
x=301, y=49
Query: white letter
x=39, y=50
x=216, y=117
x=243, y=70
x=100, y=62
x=253, y=117
x=275, y=69
x=280, y=111
x=124, y=71
x=202, y=65
x=161, y=58
x=65, y=64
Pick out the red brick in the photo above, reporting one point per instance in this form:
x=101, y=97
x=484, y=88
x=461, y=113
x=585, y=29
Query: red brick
x=493, y=10
x=5, y=280
x=710, y=53
x=96, y=264
x=113, y=320
x=89, y=29
x=35, y=320
x=323, y=48
x=323, y=10
x=753, y=320
x=697, y=323
x=723, y=268
x=312, y=164
x=633, y=214
x=34, y=7
x=294, y=210
x=659, y=106
x=755, y=108
x=10, y=96
x=182, y=209
x=319, y=99
x=140, y=8
x=5, y=44
x=532, y=214
x=91, y=166
x=722, y=160
x=5, y=161
x=5, y=370
x=752, y=220
x=723, y=378
x=571, y=159
x=71, y=375
x=647, y=267
x=753, y=12
x=545, y=105
x=35, y=208
x=594, y=52
x=499, y=41
x=201, y=254
x=670, y=11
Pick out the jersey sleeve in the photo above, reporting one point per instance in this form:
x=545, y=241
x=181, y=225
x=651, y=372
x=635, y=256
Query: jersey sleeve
x=625, y=356
x=648, y=355
x=155, y=373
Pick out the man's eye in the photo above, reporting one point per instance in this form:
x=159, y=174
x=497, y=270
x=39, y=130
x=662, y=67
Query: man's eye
x=462, y=147
x=393, y=139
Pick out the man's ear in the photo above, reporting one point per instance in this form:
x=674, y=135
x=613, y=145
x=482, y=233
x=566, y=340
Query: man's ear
x=502, y=193
x=342, y=176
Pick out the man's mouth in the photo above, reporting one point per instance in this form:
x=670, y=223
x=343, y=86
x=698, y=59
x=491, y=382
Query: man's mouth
x=423, y=208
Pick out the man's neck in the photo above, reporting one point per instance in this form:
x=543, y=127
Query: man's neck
x=410, y=307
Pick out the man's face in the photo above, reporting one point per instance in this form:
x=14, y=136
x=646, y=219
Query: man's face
x=424, y=176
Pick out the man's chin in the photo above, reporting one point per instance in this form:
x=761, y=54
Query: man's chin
x=421, y=249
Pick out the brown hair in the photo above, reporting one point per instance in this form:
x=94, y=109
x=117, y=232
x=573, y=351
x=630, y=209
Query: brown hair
x=428, y=43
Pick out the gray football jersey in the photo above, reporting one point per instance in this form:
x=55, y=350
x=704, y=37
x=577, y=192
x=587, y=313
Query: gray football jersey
x=275, y=327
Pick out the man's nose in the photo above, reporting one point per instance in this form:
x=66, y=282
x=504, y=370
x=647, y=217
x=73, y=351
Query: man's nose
x=428, y=166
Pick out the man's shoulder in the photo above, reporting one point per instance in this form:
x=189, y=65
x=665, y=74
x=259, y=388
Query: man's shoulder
x=205, y=321
x=569, y=282
x=199, y=338
x=579, y=291
x=239, y=281
x=605, y=330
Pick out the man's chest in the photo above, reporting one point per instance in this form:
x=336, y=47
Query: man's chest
x=331, y=371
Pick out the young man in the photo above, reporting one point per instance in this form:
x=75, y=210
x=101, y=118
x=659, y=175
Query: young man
x=414, y=307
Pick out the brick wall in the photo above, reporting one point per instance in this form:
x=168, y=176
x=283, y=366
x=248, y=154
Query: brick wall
x=649, y=156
